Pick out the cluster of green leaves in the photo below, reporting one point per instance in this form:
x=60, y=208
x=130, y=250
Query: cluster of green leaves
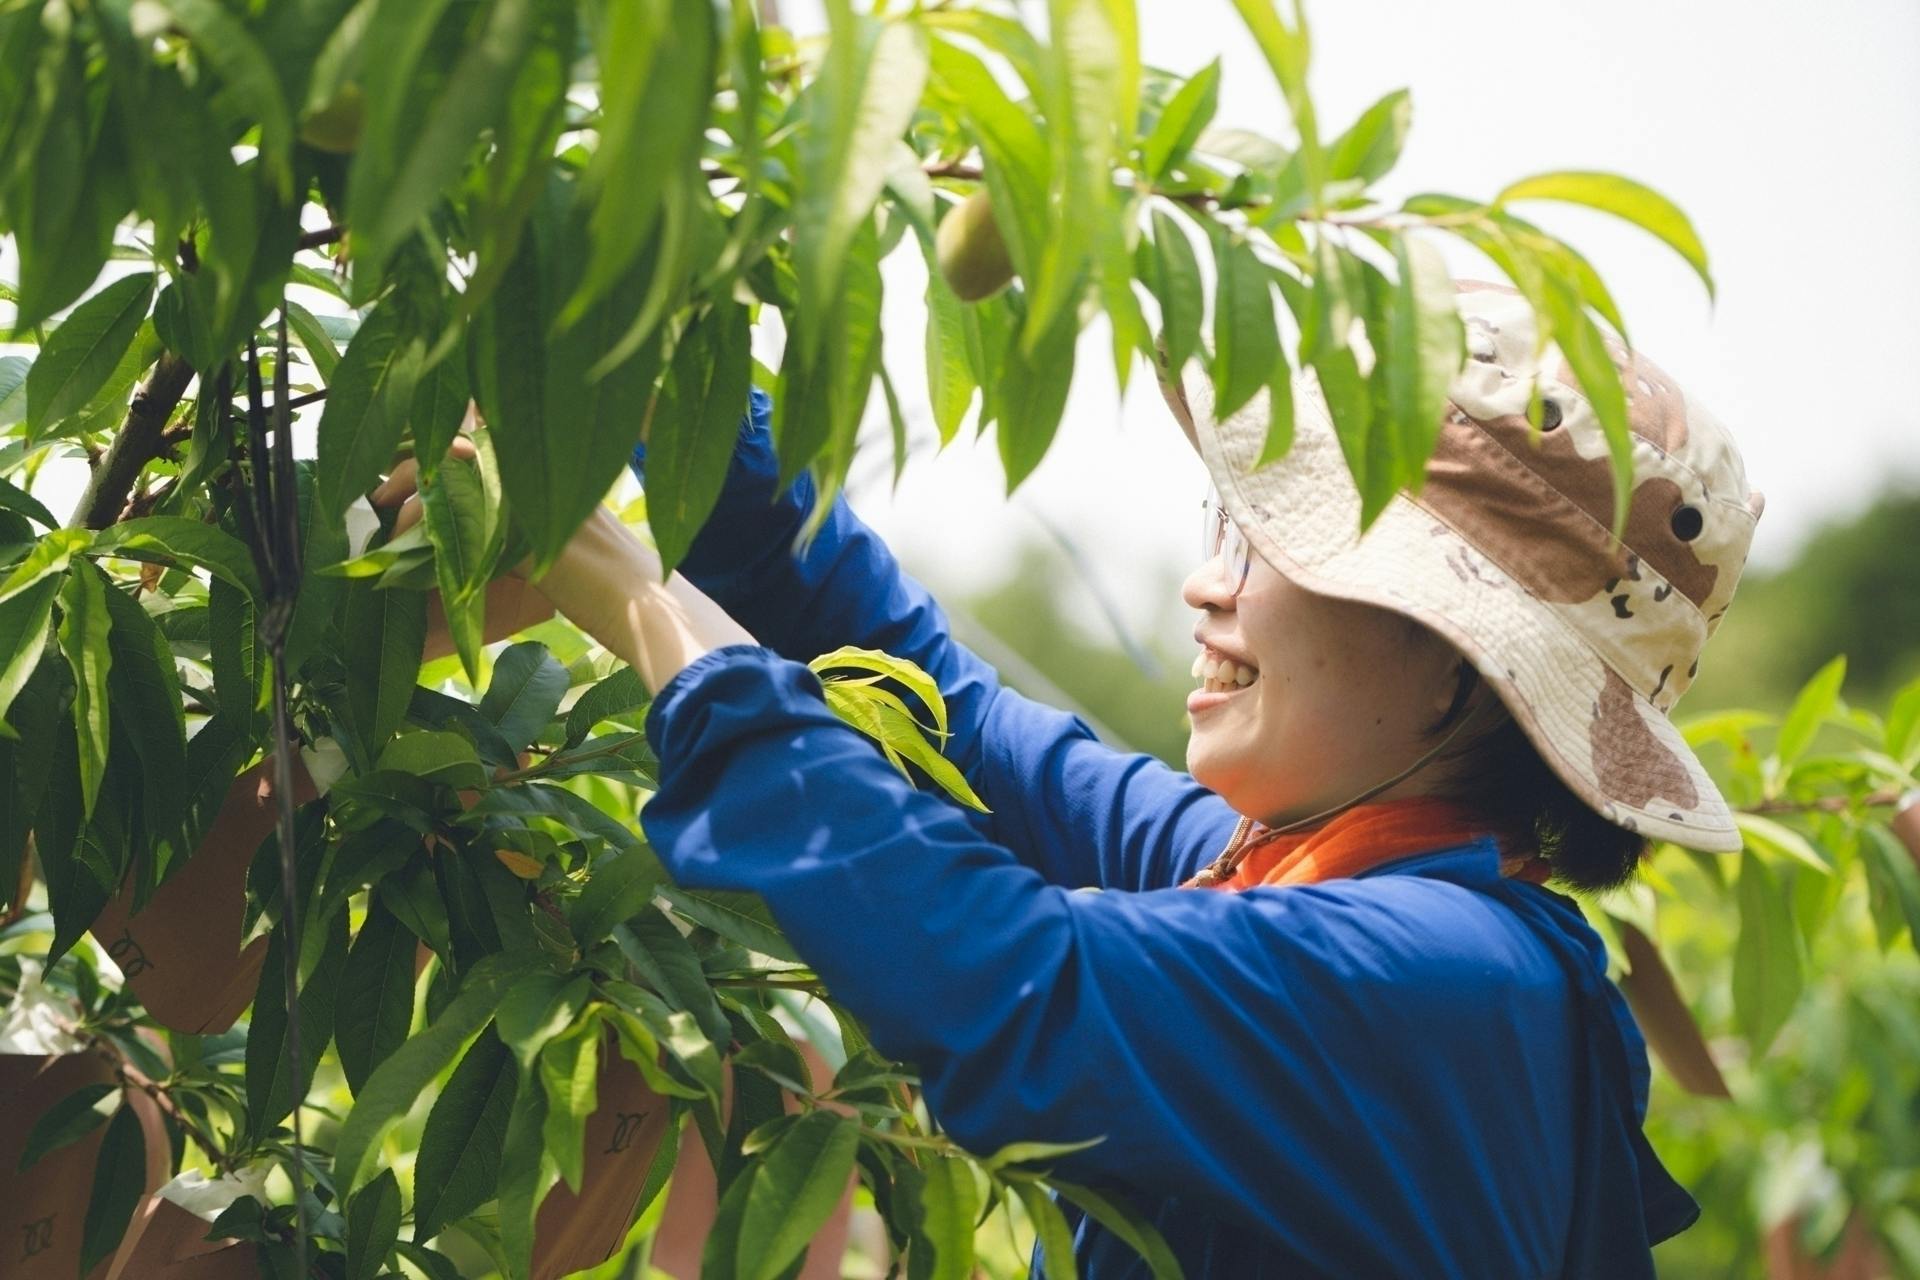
x=575, y=213
x=1798, y=959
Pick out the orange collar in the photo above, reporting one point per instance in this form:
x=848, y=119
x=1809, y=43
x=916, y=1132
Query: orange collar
x=1353, y=841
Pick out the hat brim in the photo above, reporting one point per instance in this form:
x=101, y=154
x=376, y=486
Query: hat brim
x=1615, y=749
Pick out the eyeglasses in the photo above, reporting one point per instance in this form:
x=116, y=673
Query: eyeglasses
x=1221, y=538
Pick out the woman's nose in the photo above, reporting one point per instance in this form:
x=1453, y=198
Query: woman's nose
x=1207, y=587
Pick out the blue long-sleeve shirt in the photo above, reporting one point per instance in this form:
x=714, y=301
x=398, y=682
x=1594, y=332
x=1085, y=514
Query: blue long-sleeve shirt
x=1420, y=1071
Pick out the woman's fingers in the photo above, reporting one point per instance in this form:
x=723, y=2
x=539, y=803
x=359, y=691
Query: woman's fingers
x=400, y=484
x=404, y=480
x=401, y=488
x=410, y=513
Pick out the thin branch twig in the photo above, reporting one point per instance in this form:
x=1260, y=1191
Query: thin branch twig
x=138, y=442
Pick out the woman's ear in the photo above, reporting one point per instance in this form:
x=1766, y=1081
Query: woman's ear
x=1451, y=694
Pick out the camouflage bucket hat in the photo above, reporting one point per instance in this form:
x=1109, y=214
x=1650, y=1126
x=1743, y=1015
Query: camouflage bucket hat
x=1506, y=552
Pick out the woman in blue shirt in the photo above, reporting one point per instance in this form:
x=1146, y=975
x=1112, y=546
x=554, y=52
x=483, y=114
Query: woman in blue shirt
x=1326, y=1020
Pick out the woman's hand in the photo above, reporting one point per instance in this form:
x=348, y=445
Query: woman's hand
x=606, y=581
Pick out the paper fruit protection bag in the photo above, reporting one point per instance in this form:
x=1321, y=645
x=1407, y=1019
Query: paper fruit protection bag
x=43, y=1211
x=182, y=953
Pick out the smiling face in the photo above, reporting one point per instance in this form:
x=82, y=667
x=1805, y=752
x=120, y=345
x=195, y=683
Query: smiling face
x=1307, y=700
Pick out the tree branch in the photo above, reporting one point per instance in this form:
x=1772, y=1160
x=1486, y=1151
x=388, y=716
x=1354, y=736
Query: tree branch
x=139, y=442
x=324, y=236
x=1887, y=798
x=134, y=1078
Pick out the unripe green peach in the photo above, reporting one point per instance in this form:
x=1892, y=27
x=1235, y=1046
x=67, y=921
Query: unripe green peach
x=973, y=255
x=336, y=126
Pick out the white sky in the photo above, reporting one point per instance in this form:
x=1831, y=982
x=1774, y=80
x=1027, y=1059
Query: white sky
x=1789, y=133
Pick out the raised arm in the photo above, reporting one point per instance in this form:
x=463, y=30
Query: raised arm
x=1063, y=801
x=1312, y=1063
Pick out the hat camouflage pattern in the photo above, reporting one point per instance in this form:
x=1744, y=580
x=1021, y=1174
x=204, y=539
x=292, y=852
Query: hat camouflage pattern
x=1506, y=551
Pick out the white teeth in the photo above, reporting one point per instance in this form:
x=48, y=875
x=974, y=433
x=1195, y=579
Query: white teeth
x=1222, y=675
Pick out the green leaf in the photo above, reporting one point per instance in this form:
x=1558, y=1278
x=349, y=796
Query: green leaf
x=1424, y=349
x=1280, y=415
x=1246, y=340
x=909, y=675
x=569, y=1071
x=457, y=523
x=384, y=633
x=1767, y=974
x=1024, y=1153
x=691, y=437
x=1050, y=1226
x=1624, y=198
x=540, y=1007
x=377, y=988
x=440, y=756
x=459, y=1162
x=119, y=1182
x=1012, y=145
x=618, y=888
x=1811, y=707
x=269, y=1063
x=1174, y=280
x=563, y=426
x=949, y=1206
x=528, y=683
x=620, y=694
x=222, y=40
x=439, y=406
x=145, y=684
x=1372, y=146
x=818, y=407
x=1902, y=723
x=854, y=112
x=952, y=335
x=794, y=1190
x=367, y=403
x=314, y=627
x=1124, y=317
x=314, y=339
x=1894, y=872
x=178, y=541
x=654, y=111
x=667, y=961
x=403, y=164
x=737, y=917
x=81, y=354
x=84, y=625
x=13, y=389
x=1765, y=835
x=239, y=667
x=48, y=557
x=1188, y=112
x=65, y=1123
x=397, y=1082
x=23, y=636
x=1032, y=396
x=373, y=1225
x=107, y=410
x=1586, y=351
x=526, y=1175
x=1127, y=1223
x=1092, y=76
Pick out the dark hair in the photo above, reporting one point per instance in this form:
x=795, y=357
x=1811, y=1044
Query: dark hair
x=1498, y=771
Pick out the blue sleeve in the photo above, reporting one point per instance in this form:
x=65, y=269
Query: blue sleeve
x=1064, y=802
x=1358, y=1070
